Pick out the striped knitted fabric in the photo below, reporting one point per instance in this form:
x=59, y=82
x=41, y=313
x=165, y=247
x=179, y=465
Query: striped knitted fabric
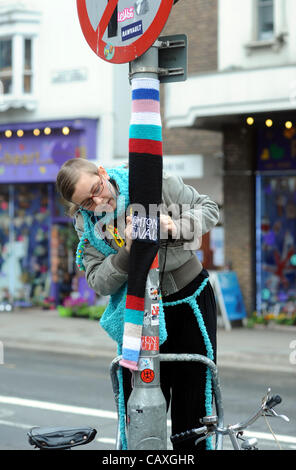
x=145, y=189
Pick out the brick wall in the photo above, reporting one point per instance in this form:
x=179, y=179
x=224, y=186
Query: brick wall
x=239, y=208
x=197, y=19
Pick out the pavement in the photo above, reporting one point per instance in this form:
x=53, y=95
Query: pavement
x=260, y=348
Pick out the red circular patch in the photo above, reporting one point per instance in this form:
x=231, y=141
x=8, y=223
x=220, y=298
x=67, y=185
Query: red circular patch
x=147, y=375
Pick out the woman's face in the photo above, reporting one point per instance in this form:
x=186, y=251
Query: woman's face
x=95, y=192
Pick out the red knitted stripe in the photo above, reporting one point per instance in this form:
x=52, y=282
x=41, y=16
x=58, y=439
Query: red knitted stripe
x=153, y=147
x=135, y=303
x=155, y=265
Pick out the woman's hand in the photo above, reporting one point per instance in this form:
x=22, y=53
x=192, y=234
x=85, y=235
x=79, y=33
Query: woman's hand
x=128, y=233
x=167, y=225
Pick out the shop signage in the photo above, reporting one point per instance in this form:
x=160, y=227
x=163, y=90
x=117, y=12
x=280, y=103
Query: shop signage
x=38, y=158
x=119, y=31
x=68, y=76
x=276, y=150
x=186, y=166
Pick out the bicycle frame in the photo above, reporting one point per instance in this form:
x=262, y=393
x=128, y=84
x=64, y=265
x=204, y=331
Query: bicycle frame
x=114, y=366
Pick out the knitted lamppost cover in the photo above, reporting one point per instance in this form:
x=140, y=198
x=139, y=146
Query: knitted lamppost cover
x=145, y=190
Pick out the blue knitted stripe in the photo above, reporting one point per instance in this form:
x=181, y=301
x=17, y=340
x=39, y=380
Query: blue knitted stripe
x=134, y=316
x=145, y=94
x=130, y=354
x=147, y=132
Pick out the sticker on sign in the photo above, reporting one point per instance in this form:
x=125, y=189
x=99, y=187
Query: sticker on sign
x=126, y=27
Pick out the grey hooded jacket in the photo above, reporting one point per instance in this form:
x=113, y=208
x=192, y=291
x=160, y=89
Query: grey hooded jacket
x=194, y=215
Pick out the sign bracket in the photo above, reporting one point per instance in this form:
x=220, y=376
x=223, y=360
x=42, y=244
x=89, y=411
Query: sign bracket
x=172, y=60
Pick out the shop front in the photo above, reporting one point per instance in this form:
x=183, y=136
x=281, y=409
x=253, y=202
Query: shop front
x=276, y=221
x=38, y=241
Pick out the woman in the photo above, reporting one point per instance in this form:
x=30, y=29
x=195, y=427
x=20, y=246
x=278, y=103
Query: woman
x=99, y=200
x=181, y=275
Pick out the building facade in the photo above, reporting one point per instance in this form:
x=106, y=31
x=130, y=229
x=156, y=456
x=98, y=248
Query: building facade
x=59, y=101
x=198, y=150
x=250, y=99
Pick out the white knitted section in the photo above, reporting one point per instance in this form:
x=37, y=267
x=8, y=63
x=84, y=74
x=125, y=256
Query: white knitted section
x=146, y=118
x=151, y=83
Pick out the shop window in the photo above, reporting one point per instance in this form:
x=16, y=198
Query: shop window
x=265, y=22
x=37, y=248
x=276, y=245
x=5, y=249
x=63, y=249
x=24, y=239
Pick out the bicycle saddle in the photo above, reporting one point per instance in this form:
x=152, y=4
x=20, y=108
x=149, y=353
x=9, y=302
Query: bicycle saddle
x=58, y=437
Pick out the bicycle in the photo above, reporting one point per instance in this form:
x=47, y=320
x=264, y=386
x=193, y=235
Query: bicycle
x=212, y=425
x=52, y=438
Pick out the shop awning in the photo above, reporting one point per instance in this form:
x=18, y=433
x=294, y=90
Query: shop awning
x=207, y=101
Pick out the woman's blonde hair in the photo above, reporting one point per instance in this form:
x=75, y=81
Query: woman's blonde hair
x=67, y=179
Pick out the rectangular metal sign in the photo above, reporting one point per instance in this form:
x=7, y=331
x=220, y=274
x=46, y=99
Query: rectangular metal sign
x=173, y=58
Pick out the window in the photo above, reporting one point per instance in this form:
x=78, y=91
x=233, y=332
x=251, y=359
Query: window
x=19, y=33
x=6, y=65
x=28, y=66
x=265, y=20
x=10, y=70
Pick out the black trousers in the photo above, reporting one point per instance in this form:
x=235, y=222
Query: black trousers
x=183, y=383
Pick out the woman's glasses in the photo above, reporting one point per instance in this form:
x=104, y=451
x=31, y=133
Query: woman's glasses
x=96, y=192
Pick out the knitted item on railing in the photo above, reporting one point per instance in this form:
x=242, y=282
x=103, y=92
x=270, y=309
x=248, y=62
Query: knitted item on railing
x=145, y=189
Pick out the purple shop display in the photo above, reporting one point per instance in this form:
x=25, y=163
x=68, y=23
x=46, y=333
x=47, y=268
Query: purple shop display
x=38, y=158
x=30, y=207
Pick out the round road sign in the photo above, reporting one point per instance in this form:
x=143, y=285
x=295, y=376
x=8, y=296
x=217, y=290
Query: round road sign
x=119, y=31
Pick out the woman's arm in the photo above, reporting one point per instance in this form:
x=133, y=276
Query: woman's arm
x=105, y=275
x=193, y=214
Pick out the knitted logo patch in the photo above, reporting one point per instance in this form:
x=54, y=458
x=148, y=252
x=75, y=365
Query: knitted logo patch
x=145, y=228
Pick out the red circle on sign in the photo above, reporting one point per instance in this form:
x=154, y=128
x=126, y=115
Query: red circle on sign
x=147, y=375
x=121, y=54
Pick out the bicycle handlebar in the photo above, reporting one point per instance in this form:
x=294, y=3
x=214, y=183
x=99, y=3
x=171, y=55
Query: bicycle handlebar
x=273, y=401
x=266, y=405
x=188, y=434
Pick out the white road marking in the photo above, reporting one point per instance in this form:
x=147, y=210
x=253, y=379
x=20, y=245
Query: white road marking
x=4, y=413
x=15, y=425
x=44, y=405
x=106, y=440
x=269, y=437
